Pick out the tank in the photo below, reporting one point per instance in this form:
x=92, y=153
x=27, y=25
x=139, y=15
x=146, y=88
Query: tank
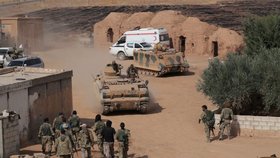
x=117, y=92
x=159, y=62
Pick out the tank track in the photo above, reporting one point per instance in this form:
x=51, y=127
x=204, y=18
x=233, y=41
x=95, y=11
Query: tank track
x=149, y=72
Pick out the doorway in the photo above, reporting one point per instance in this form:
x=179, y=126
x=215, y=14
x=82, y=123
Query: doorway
x=110, y=35
x=182, y=44
x=171, y=43
x=215, y=48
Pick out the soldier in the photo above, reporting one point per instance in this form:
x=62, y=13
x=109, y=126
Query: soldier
x=132, y=71
x=115, y=66
x=108, y=133
x=63, y=146
x=74, y=122
x=68, y=133
x=57, y=122
x=86, y=141
x=225, y=121
x=97, y=128
x=46, y=135
x=122, y=138
x=208, y=119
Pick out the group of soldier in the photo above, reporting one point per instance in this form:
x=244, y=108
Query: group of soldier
x=208, y=119
x=71, y=135
x=131, y=70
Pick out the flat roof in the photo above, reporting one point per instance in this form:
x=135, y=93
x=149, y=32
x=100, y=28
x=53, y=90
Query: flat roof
x=24, y=77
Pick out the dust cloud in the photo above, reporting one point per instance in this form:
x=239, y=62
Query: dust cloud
x=71, y=53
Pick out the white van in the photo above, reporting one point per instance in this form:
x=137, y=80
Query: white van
x=144, y=35
x=148, y=35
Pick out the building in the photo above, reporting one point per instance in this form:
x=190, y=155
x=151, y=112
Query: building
x=187, y=34
x=9, y=135
x=35, y=93
x=27, y=31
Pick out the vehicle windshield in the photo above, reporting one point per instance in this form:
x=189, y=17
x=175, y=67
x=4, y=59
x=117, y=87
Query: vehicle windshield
x=146, y=45
x=3, y=51
x=16, y=63
x=164, y=37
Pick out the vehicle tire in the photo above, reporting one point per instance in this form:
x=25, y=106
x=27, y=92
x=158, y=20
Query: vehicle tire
x=121, y=56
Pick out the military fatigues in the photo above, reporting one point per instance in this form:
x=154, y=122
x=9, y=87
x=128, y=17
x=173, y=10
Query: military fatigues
x=86, y=141
x=132, y=72
x=45, y=134
x=122, y=138
x=225, y=122
x=97, y=128
x=208, y=120
x=63, y=147
x=74, y=122
x=57, y=123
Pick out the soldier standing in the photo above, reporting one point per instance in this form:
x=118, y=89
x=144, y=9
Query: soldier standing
x=74, y=122
x=208, y=119
x=68, y=133
x=108, y=133
x=132, y=71
x=46, y=134
x=57, y=123
x=86, y=141
x=63, y=146
x=97, y=128
x=122, y=138
x=225, y=121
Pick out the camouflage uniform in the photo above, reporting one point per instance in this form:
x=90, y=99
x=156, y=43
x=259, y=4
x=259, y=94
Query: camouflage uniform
x=68, y=133
x=132, y=72
x=97, y=128
x=225, y=122
x=208, y=120
x=57, y=123
x=122, y=138
x=45, y=134
x=63, y=146
x=74, y=122
x=86, y=141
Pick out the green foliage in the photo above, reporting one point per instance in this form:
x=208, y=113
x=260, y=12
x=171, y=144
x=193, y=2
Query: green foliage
x=267, y=65
x=262, y=32
x=231, y=80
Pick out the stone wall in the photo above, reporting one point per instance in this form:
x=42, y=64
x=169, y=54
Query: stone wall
x=253, y=124
x=9, y=136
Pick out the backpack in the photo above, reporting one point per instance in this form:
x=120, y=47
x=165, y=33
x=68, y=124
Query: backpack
x=210, y=118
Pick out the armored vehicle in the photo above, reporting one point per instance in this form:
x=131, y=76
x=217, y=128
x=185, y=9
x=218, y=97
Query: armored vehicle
x=118, y=92
x=159, y=62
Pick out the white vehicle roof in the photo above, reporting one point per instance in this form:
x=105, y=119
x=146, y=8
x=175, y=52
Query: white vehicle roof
x=146, y=30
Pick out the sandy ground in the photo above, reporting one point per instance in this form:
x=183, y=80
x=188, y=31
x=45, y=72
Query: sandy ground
x=170, y=129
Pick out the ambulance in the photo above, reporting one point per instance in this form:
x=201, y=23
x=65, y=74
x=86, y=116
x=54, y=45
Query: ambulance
x=150, y=36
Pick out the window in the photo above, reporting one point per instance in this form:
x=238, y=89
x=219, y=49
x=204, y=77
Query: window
x=29, y=62
x=164, y=37
x=3, y=51
x=37, y=61
x=16, y=63
x=130, y=45
x=137, y=45
x=146, y=45
x=122, y=40
x=110, y=35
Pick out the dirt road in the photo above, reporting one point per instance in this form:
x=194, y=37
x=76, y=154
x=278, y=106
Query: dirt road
x=171, y=129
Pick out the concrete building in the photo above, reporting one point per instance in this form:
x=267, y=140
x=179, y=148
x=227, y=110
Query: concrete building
x=187, y=34
x=35, y=93
x=9, y=135
x=23, y=30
